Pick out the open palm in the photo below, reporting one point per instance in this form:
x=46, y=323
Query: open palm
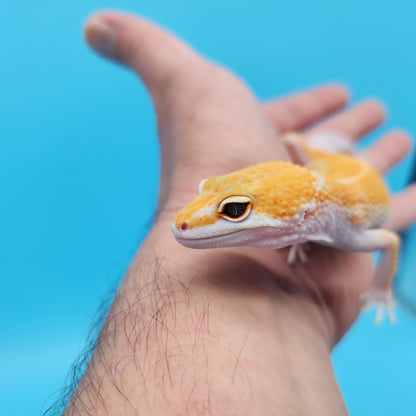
x=211, y=124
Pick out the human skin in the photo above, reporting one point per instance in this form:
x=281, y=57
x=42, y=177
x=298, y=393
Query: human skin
x=227, y=331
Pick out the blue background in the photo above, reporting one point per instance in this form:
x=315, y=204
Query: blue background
x=79, y=167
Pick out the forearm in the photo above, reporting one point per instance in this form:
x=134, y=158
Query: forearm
x=185, y=339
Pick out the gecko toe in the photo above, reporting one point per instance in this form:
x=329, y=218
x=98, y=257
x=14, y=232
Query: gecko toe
x=383, y=298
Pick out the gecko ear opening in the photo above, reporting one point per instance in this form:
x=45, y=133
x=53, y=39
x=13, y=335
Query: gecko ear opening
x=235, y=208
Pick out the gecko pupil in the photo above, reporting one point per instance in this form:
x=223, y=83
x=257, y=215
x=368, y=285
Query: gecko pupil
x=235, y=209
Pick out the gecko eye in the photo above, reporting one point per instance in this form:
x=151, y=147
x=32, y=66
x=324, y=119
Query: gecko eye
x=235, y=208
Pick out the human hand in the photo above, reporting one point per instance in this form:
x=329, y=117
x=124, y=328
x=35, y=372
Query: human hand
x=233, y=330
x=211, y=124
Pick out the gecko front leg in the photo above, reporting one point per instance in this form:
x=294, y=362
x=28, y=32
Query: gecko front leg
x=388, y=243
x=297, y=251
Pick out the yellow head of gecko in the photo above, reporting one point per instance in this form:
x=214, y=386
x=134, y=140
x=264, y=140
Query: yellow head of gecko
x=277, y=189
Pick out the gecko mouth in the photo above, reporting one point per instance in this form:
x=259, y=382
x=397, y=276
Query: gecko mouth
x=222, y=240
x=180, y=239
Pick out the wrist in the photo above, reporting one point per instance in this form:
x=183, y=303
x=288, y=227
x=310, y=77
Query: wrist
x=191, y=329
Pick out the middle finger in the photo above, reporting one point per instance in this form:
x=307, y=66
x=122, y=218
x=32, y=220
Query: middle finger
x=354, y=122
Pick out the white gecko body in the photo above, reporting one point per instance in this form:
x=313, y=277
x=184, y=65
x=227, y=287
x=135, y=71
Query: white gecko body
x=333, y=199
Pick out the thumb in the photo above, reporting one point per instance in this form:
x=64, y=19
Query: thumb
x=156, y=55
x=207, y=117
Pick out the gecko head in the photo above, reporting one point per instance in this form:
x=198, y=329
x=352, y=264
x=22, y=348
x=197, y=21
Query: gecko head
x=215, y=220
x=244, y=208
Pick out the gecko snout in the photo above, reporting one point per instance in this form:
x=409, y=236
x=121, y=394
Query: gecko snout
x=179, y=228
x=184, y=226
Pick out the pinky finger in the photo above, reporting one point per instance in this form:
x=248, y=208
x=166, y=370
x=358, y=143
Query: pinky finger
x=403, y=209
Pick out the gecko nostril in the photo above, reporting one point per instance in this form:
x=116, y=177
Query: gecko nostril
x=184, y=226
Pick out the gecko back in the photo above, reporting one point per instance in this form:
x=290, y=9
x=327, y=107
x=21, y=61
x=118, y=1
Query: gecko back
x=350, y=182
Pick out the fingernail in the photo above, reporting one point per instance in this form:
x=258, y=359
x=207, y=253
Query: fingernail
x=101, y=37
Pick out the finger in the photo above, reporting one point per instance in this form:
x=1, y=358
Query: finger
x=152, y=52
x=185, y=87
x=180, y=81
x=298, y=110
x=387, y=152
x=402, y=209
x=355, y=122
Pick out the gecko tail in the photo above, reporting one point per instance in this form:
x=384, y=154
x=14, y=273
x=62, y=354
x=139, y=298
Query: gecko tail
x=302, y=148
x=330, y=143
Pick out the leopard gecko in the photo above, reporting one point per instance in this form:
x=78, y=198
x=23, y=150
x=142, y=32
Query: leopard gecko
x=326, y=196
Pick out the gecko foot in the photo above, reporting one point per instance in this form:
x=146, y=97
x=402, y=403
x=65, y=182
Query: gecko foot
x=297, y=251
x=382, y=298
